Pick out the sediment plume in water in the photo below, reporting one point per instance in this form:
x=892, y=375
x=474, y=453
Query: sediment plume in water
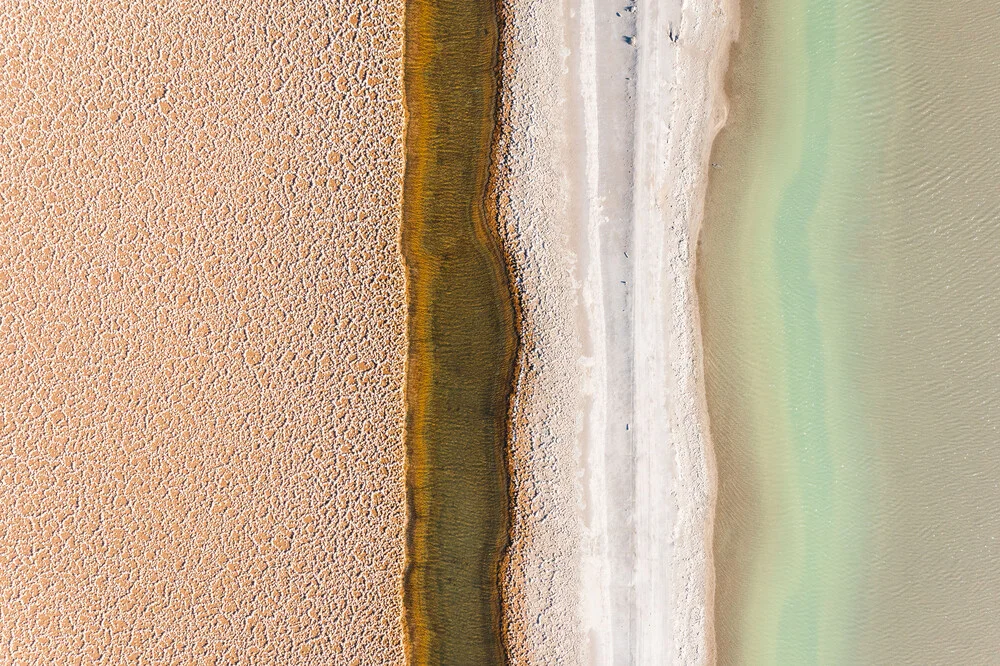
x=462, y=337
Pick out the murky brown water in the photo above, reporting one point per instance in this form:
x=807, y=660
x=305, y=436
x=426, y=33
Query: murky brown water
x=462, y=337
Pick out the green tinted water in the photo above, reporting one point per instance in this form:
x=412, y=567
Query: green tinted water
x=847, y=277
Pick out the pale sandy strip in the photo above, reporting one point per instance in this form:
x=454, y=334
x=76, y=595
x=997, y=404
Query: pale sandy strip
x=675, y=130
x=595, y=578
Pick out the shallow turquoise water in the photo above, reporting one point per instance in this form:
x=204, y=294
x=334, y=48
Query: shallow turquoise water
x=847, y=276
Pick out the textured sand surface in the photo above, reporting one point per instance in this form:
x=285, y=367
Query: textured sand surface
x=201, y=333
x=536, y=209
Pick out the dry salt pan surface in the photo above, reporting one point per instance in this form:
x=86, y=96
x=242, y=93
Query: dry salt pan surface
x=201, y=332
x=608, y=111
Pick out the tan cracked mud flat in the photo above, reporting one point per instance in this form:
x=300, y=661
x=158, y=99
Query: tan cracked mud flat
x=201, y=333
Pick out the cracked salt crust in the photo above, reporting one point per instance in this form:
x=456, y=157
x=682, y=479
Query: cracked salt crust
x=201, y=333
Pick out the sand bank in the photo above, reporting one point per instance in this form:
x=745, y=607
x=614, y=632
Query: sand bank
x=609, y=110
x=202, y=333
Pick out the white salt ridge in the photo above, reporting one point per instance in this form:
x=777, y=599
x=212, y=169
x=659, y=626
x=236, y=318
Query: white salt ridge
x=609, y=111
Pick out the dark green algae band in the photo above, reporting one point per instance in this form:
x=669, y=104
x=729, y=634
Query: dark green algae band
x=462, y=337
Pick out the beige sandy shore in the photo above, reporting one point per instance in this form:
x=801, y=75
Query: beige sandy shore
x=201, y=333
x=609, y=112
